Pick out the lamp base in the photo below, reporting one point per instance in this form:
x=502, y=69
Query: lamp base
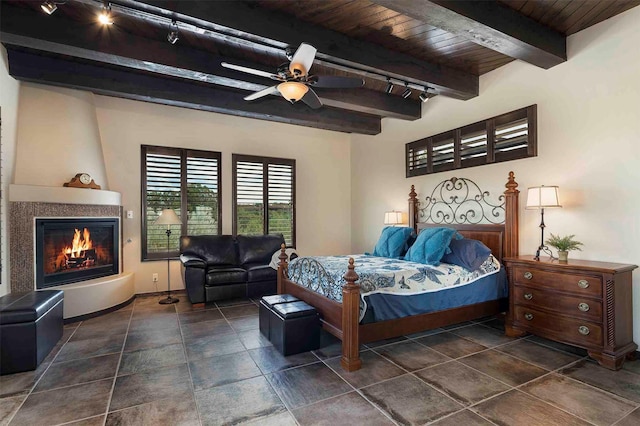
x=169, y=300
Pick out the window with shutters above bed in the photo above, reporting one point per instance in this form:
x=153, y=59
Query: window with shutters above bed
x=187, y=181
x=264, y=196
x=509, y=136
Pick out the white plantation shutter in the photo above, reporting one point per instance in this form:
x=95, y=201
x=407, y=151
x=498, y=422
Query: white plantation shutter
x=509, y=136
x=186, y=181
x=264, y=196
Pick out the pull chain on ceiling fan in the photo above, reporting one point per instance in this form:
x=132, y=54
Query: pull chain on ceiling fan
x=295, y=82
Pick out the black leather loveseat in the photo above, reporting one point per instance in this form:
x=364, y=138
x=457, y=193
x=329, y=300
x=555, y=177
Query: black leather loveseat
x=218, y=267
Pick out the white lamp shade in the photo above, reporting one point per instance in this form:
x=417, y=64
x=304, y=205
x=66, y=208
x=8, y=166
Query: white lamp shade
x=393, y=218
x=542, y=197
x=168, y=217
x=292, y=90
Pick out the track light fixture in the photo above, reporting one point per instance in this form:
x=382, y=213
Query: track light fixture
x=105, y=16
x=407, y=91
x=389, y=88
x=173, y=36
x=48, y=7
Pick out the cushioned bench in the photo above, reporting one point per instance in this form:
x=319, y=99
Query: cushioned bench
x=266, y=311
x=294, y=327
x=30, y=326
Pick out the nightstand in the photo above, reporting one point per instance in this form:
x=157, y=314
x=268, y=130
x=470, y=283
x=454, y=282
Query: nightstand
x=580, y=303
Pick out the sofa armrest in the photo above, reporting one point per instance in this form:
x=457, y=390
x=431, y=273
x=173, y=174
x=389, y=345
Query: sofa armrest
x=192, y=261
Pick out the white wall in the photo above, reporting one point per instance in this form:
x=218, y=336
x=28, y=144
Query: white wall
x=9, y=89
x=588, y=144
x=322, y=170
x=58, y=137
x=114, y=129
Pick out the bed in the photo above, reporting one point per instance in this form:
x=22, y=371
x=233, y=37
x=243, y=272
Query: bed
x=456, y=203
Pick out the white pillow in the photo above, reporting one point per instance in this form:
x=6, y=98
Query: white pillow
x=275, y=259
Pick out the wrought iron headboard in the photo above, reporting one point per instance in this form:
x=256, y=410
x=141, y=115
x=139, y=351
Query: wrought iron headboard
x=459, y=201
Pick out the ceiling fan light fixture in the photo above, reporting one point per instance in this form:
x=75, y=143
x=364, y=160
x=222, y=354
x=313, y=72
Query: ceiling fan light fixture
x=292, y=91
x=48, y=7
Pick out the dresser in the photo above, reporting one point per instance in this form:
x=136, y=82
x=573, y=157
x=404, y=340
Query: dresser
x=580, y=303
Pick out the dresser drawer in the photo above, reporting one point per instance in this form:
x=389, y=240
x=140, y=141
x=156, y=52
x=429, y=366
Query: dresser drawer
x=574, y=306
x=578, y=284
x=579, y=332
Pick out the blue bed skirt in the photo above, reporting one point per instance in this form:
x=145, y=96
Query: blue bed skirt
x=382, y=307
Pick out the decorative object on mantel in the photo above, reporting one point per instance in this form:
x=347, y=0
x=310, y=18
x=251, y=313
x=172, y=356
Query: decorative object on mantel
x=564, y=245
x=541, y=197
x=168, y=217
x=82, y=180
x=393, y=218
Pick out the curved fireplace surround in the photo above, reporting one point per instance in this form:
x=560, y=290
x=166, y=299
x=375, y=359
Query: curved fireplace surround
x=75, y=249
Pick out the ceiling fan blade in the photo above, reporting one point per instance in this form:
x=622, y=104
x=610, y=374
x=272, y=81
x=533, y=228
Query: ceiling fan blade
x=302, y=60
x=328, y=81
x=310, y=98
x=273, y=90
x=250, y=70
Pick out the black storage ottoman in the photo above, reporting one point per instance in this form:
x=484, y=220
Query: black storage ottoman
x=30, y=326
x=295, y=328
x=266, y=310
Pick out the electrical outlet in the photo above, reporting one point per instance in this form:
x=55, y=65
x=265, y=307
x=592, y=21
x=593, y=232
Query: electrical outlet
x=155, y=277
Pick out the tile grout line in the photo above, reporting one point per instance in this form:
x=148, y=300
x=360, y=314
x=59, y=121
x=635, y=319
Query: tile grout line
x=115, y=377
x=186, y=358
x=43, y=373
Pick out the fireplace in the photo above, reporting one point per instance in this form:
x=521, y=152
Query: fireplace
x=75, y=249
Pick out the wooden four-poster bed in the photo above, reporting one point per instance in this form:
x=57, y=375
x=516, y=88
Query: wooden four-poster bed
x=455, y=203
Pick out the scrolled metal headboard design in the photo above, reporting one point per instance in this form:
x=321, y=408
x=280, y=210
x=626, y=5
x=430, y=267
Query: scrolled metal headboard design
x=461, y=201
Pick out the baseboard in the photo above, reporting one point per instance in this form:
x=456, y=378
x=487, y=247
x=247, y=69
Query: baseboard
x=99, y=313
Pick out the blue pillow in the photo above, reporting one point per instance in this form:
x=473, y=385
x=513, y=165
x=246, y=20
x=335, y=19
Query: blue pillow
x=393, y=241
x=469, y=254
x=431, y=245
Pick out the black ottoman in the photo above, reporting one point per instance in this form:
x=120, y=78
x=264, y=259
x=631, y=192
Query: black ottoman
x=295, y=328
x=30, y=326
x=266, y=310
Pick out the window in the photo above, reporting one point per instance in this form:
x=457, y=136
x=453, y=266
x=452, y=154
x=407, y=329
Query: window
x=507, y=137
x=183, y=180
x=264, y=197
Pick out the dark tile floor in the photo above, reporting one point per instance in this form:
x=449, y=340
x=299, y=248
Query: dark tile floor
x=151, y=364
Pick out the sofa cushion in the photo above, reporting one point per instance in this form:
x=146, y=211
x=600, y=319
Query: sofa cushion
x=214, y=249
x=257, y=272
x=258, y=248
x=222, y=276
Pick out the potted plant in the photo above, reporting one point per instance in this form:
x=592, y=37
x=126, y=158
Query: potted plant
x=563, y=245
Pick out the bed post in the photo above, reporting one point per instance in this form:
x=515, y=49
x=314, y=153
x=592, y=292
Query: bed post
x=413, y=209
x=511, y=217
x=282, y=267
x=350, y=321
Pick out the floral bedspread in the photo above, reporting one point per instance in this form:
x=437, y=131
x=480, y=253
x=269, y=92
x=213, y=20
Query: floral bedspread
x=324, y=274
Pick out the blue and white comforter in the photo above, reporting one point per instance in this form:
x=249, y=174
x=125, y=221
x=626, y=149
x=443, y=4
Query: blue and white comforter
x=323, y=274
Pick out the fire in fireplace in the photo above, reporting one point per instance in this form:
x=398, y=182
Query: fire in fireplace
x=75, y=249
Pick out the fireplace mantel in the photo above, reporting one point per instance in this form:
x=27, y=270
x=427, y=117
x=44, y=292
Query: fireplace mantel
x=63, y=195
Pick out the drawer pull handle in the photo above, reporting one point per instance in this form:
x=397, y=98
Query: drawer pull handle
x=583, y=307
x=583, y=284
x=528, y=275
x=584, y=330
x=528, y=296
x=528, y=316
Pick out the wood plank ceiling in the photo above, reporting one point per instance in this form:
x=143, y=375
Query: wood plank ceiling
x=440, y=46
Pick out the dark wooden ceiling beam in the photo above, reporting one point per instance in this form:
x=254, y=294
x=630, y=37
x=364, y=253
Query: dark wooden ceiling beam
x=26, y=28
x=111, y=81
x=271, y=28
x=491, y=25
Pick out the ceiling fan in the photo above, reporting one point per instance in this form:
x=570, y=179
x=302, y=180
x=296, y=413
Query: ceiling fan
x=295, y=82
